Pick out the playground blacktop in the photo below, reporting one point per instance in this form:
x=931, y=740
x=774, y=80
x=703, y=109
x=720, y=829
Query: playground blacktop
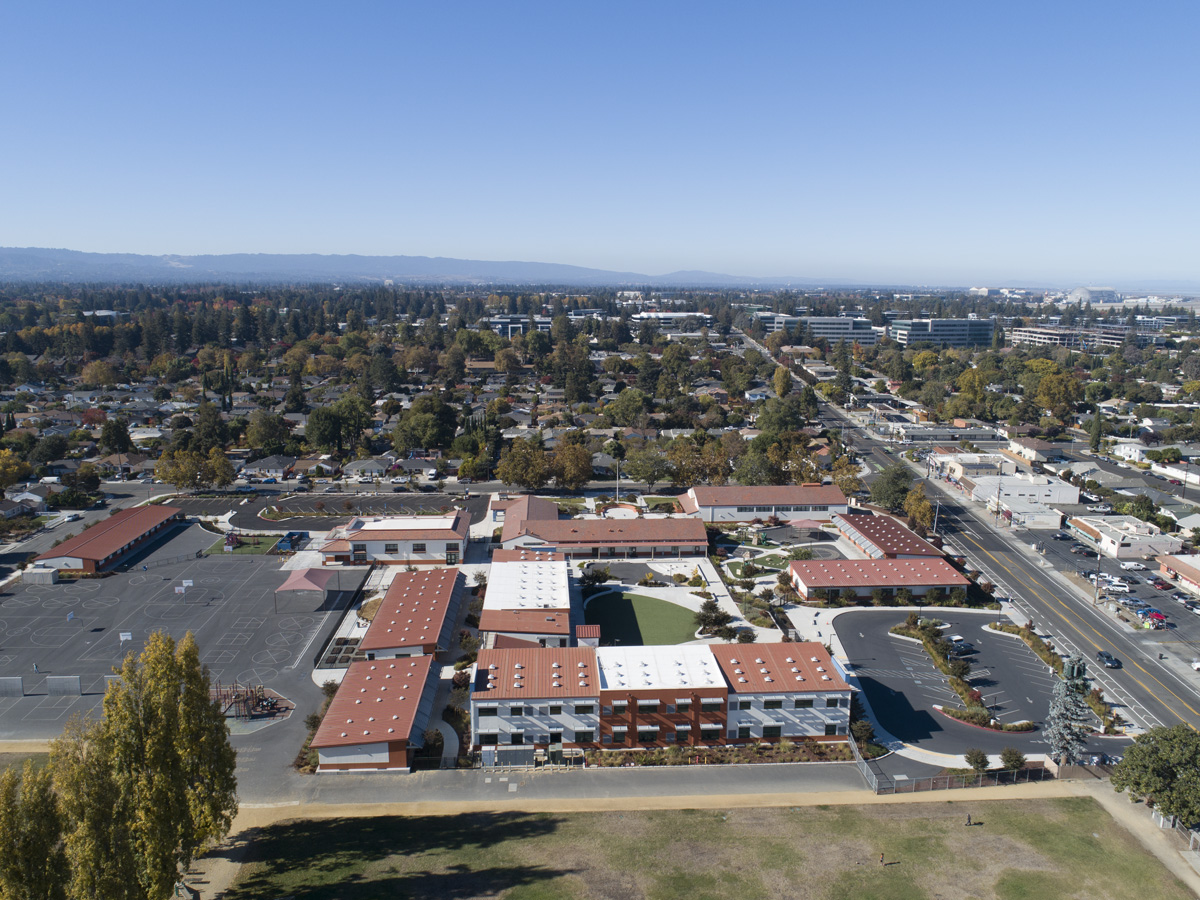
x=62, y=640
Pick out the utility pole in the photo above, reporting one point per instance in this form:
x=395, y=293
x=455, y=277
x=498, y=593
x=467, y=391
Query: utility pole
x=936, y=511
x=1096, y=580
x=999, y=481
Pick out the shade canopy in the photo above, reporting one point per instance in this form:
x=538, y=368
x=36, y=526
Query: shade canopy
x=306, y=580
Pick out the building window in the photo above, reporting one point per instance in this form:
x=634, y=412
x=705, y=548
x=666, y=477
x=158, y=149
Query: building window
x=683, y=706
x=607, y=739
x=743, y=731
x=488, y=740
x=584, y=737
x=772, y=731
x=515, y=711
x=486, y=711
x=606, y=710
x=556, y=737
x=618, y=709
x=391, y=549
x=358, y=548
x=804, y=703
x=452, y=548
x=585, y=710
x=556, y=710
x=773, y=704
x=710, y=732
x=670, y=709
x=418, y=548
x=517, y=737
x=831, y=702
x=647, y=706
x=619, y=735
x=647, y=735
x=831, y=730
x=711, y=706
x=745, y=704
x=669, y=737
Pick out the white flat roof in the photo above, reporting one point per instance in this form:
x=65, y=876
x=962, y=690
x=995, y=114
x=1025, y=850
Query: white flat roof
x=526, y=584
x=403, y=523
x=661, y=667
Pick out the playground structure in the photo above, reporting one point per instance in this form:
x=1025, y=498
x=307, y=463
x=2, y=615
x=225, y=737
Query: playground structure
x=239, y=700
x=234, y=540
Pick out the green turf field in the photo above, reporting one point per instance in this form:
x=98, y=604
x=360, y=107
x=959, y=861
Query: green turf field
x=634, y=619
x=1019, y=850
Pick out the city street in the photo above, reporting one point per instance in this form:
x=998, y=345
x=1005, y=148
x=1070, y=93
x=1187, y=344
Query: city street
x=1153, y=691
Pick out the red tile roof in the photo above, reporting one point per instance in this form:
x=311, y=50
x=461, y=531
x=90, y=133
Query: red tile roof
x=545, y=673
x=619, y=532
x=872, y=573
x=413, y=610
x=523, y=511
x=888, y=535
x=109, y=536
x=526, y=621
x=587, y=631
x=376, y=702
x=778, y=668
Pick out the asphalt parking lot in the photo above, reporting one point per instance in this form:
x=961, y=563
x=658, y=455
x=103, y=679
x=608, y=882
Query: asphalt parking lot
x=75, y=628
x=902, y=685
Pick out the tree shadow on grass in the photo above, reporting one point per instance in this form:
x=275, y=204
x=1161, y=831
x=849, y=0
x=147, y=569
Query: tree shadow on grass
x=617, y=620
x=357, y=859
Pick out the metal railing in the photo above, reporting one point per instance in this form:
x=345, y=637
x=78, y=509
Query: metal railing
x=889, y=785
x=880, y=783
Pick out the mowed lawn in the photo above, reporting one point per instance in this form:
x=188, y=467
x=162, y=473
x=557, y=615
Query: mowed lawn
x=1026, y=850
x=634, y=619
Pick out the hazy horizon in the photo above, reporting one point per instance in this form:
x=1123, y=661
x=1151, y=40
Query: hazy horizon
x=1014, y=145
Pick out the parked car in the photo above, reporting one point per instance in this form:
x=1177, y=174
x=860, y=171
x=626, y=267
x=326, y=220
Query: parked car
x=1192, y=606
x=1115, y=587
x=270, y=481
x=1161, y=585
x=1174, y=481
x=1059, y=536
x=302, y=489
x=1108, y=660
x=1100, y=508
x=1133, y=567
x=1180, y=597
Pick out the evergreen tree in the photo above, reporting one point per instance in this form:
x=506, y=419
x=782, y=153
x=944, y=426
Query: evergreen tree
x=1068, y=723
x=1095, y=431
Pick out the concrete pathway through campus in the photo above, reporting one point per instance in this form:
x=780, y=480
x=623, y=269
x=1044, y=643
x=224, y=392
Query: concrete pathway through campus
x=214, y=874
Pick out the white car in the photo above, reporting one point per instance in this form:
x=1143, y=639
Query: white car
x=1119, y=587
x=1133, y=567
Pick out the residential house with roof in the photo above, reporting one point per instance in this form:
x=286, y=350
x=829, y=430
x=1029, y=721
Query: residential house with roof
x=735, y=503
x=606, y=538
x=862, y=576
x=400, y=540
x=1035, y=449
x=416, y=617
x=270, y=467
x=378, y=717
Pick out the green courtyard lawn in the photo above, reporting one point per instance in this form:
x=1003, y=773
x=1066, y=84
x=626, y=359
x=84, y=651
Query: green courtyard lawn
x=1018, y=850
x=251, y=543
x=634, y=619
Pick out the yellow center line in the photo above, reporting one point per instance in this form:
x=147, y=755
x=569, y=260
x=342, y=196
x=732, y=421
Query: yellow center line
x=1093, y=629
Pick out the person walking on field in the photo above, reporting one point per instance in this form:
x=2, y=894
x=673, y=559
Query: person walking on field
x=881, y=859
x=968, y=820
x=35, y=669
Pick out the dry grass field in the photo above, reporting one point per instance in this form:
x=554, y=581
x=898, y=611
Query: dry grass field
x=1027, y=850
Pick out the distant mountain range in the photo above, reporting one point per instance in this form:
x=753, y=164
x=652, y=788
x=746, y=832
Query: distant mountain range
x=39, y=264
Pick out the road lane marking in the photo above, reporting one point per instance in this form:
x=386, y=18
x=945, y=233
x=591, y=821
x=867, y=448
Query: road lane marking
x=1098, y=634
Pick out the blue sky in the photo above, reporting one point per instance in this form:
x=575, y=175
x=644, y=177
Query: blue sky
x=920, y=143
